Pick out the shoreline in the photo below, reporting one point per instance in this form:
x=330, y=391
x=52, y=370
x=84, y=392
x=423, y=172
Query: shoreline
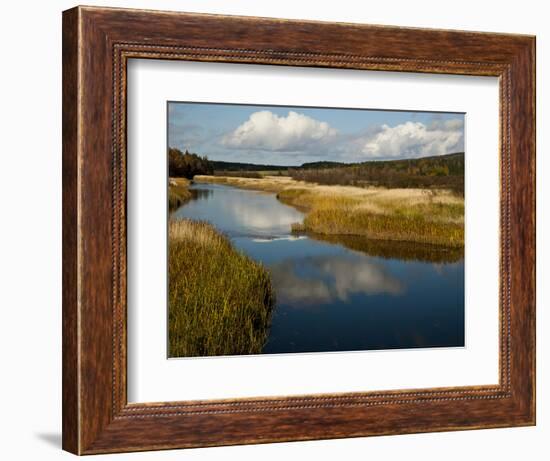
x=178, y=192
x=423, y=216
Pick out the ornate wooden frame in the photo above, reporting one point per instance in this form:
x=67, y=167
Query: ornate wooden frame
x=97, y=43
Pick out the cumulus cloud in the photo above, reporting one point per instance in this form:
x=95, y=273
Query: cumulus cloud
x=267, y=131
x=414, y=139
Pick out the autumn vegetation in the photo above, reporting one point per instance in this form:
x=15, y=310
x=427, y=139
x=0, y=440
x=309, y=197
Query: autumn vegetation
x=178, y=192
x=427, y=216
x=440, y=172
x=187, y=165
x=220, y=300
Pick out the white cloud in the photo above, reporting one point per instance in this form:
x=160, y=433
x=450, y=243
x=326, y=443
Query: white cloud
x=267, y=131
x=414, y=139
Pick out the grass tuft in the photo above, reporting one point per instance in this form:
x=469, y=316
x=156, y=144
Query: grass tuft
x=220, y=301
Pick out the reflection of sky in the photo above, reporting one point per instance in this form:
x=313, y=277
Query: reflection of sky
x=331, y=298
x=324, y=279
x=241, y=212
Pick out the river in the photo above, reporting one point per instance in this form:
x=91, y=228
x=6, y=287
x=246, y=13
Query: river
x=331, y=297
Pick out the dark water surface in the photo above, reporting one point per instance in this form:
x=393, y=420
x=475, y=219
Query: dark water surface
x=342, y=295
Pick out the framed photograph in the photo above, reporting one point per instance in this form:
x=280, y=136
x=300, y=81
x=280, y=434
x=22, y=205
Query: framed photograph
x=284, y=230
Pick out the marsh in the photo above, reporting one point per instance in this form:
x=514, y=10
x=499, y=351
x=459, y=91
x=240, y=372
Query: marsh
x=299, y=229
x=329, y=295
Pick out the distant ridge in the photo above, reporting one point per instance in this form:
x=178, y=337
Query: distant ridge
x=456, y=158
x=220, y=165
x=437, y=172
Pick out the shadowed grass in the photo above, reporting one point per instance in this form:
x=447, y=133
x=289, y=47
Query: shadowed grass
x=178, y=192
x=388, y=249
x=220, y=301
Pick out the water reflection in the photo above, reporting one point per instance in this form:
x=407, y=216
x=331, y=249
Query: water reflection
x=340, y=293
x=240, y=212
x=201, y=194
x=324, y=279
x=405, y=251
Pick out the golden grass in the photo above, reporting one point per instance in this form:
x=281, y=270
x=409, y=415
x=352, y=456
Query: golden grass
x=178, y=192
x=414, y=215
x=220, y=301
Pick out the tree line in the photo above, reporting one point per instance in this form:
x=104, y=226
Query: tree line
x=445, y=171
x=186, y=165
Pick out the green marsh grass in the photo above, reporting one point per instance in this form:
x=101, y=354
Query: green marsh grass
x=220, y=301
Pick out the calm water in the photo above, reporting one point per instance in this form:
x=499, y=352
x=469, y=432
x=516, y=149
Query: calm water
x=331, y=297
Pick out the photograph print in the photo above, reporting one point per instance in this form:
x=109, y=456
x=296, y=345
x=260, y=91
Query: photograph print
x=313, y=229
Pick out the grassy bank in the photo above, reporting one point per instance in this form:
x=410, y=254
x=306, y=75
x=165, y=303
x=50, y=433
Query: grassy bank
x=220, y=301
x=401, y=218
x=178, y=192
x=411, y=215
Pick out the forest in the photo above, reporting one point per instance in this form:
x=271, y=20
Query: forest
x=187, y=165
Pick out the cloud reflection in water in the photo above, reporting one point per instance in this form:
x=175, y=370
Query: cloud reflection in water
x=240, y=212
x=325, y=279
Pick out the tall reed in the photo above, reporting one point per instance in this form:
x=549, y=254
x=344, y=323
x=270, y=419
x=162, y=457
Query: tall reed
x=220, y=301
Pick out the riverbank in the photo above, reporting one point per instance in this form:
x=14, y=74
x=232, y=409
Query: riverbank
x=220, y=301
x=410, y=215
x=178, y=192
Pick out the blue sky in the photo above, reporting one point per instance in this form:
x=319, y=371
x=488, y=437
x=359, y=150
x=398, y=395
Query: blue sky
x=283, y=135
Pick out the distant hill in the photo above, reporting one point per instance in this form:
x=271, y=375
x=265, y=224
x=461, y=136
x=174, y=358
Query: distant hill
x=423, y=165
x=439, y=172
x=322, y=164
x=454, y=162
x=219, y=165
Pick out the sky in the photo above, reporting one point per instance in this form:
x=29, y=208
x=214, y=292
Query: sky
x=285, y=135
